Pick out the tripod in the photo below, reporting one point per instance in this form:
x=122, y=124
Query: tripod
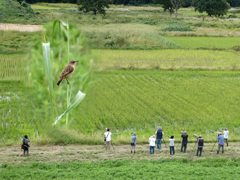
x=194, y=147
x=214, y=144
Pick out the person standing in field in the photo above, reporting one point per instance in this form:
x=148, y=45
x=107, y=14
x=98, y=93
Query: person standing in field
x=184, y=141
x=107, y=135
x=25, y=145
x=200, y=143
x=133, y=142
x=226, y=132
x=152, y=140
x=220, y=138
x=159, y=134
x=171, y=145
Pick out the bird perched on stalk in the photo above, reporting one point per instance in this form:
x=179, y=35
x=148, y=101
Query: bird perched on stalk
x=67, y=71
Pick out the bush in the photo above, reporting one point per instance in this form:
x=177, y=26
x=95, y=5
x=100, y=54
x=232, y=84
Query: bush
x=177, y=28
x=236, y=48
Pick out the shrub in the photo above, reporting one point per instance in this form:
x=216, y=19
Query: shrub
x=177, y=28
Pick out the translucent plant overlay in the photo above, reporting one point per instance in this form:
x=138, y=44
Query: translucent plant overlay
x=64, y=46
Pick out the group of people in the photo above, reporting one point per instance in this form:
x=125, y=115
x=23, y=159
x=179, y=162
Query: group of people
x=152, y=140
x=200, y=141
x=159, y=138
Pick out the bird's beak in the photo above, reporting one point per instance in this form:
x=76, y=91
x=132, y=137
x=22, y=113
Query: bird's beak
x=76, y=61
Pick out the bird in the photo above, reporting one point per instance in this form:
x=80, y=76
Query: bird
x=67, y=71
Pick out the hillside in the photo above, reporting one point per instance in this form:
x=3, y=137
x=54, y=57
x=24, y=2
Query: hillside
x=12, y=8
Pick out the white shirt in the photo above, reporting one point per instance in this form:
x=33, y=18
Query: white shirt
x=225, y=134
x=108, y=135
x=171, y=142
x=152, y=141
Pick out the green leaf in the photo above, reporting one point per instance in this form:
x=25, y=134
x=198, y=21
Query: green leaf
x=74, y=103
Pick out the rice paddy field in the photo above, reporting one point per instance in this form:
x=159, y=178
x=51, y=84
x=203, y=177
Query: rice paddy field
x=168, y=59
x=140, y=69
x=207, y=42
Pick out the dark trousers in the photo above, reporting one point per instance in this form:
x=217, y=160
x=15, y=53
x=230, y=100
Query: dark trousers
x=172, y=150
x=219, y=147
x=26, y=150
x=184, y=146
x=199, y=149
x=226, y=141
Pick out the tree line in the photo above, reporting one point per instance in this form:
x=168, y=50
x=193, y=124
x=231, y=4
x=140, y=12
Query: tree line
x=187, y=3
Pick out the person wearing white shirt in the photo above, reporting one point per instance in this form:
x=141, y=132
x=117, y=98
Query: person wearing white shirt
x=171, y=145
x=226, y=132
x=107, y=135
x=152, y=140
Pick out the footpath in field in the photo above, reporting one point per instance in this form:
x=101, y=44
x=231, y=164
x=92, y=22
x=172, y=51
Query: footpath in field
x=20, y=27
x=63, y=154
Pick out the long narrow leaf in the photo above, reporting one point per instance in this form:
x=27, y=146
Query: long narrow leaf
x=74, y=103
x=47, y=61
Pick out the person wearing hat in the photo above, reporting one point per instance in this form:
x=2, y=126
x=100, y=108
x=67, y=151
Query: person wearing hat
x=184, y=141
x=220, y=138
x=152, y=140
x=25, y=145
x=107, y=135
x=226, y=132
x=200, y=142
x=133, y=142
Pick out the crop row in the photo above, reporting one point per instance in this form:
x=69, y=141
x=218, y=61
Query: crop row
x=197, y=101
x=168, y=59
x=11, y=68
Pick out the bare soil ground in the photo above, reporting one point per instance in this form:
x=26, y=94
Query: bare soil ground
x=63, y=154
x=20, y=27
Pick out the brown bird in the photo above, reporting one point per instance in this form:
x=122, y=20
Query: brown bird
x=67, y=71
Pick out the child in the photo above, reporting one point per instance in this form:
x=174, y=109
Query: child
x=171, y=139
x=152, y=140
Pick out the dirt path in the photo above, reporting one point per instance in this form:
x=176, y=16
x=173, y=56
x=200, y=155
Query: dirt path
x=20, y=27
x=56, y=153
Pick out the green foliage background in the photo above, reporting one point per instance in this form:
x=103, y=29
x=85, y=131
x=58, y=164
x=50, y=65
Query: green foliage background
x=13, y=8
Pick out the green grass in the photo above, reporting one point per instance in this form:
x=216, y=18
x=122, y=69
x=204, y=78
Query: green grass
x=206, y=42
x=37, y=6
x=168, y=59
x=12, y=66
x=127, y=169
x=140, y=100
x=14, y=42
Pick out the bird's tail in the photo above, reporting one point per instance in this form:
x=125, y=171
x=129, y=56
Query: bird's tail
x=59, y=82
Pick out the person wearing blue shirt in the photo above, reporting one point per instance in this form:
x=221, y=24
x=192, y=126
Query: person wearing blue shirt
x=220, y=138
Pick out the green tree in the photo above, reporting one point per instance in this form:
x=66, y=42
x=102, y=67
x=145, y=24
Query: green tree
x=234, y=3
x=176, y=5
x=212, y=7
x=97, y=6
x=167, y=5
